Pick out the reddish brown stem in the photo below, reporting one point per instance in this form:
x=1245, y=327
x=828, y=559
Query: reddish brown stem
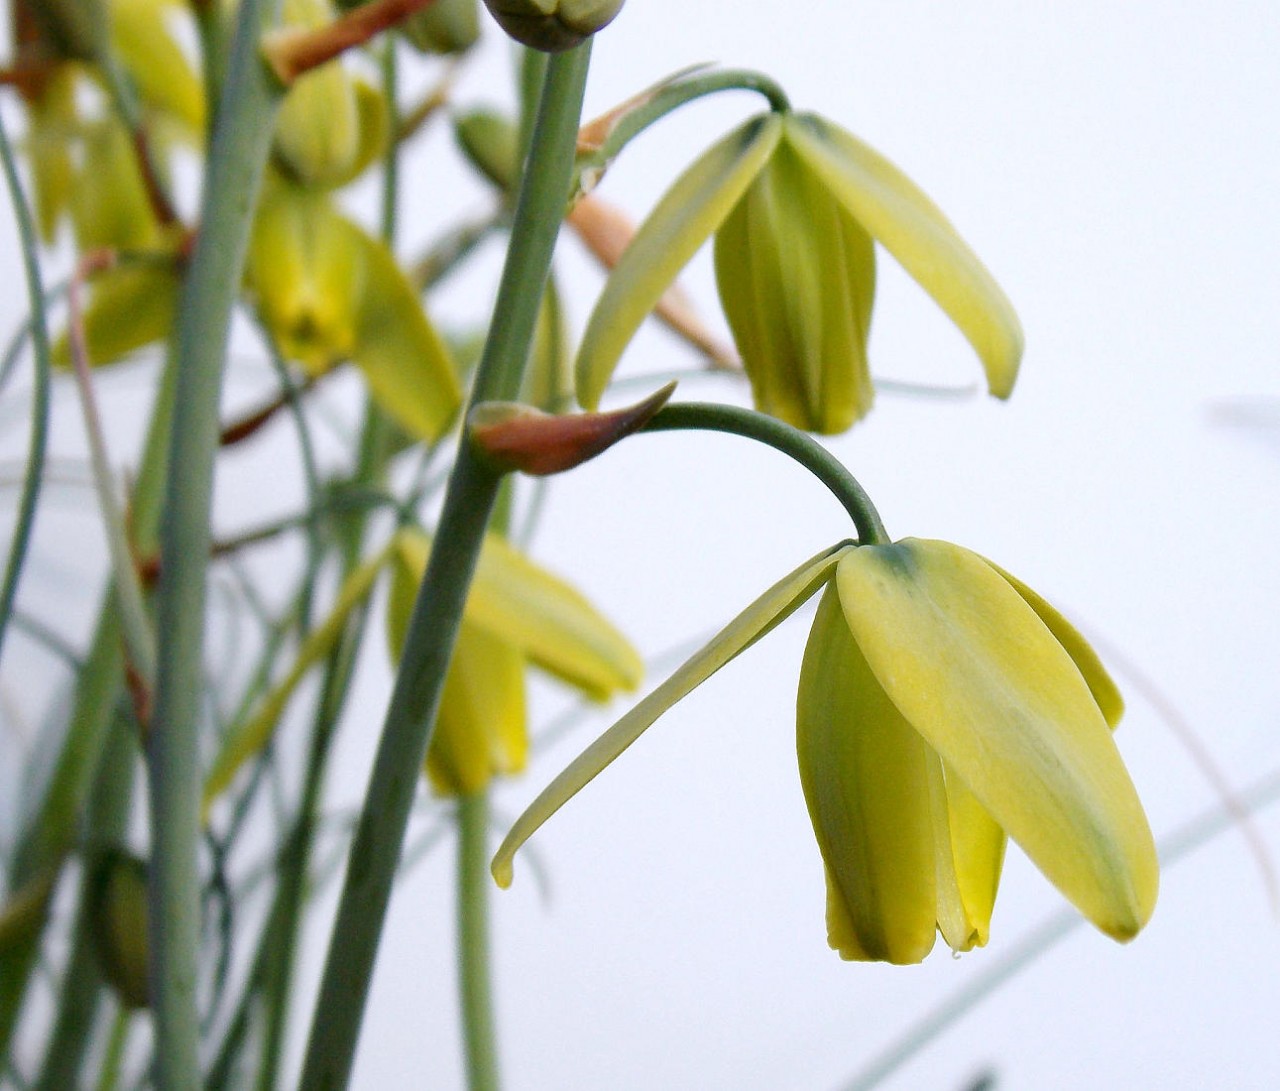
x=293, y=51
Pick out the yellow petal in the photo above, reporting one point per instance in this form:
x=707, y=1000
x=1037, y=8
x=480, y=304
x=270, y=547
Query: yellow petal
x=540, y=615
x=910, y=226
x=481, y=727
x=141, y=35
x=130, y=307
x=973, y=668
x=768, y=611
x=686, y=216
x=1100, y=683
x=970, y=854
x=865, y=774
x=796, y=275
x=109, y=206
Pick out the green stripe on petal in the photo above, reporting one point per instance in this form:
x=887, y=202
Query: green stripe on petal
x=1100, y=683
x=683, y=220
x=912, y=228
x=769, y=610
x=865, y=774
x=973, y=668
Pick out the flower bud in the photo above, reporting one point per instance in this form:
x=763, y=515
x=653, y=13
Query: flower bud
x=447, y=26
x=552, y=25
x=491, y=144
x=120, y=925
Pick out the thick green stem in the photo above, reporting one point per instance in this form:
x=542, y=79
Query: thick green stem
x=375, y=849
x=475, y=987
x=242, y=137
x=712, y=417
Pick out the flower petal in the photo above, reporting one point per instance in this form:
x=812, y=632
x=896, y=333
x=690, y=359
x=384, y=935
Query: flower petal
x=796, y=276
x=973, y=668
x=1100, y=683
x=912, y=228
x=686, y=216
x=970, y=854
x=481, y=726
x=548, y=621
x=865, y=774
x=768, y=611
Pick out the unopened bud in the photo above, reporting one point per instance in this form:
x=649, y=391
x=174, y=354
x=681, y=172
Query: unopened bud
x=552, y=25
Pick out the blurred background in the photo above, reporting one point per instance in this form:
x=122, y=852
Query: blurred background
x=1117, y=167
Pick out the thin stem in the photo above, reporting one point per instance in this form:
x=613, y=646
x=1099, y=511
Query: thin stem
x=475, y=987
x=375, y=849
x=242, y=137
x=603, y=139
x=40, y=405
x=750, y=424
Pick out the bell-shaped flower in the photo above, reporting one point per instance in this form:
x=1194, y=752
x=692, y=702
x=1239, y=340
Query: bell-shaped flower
x=942, y=706
x=329, y=292
x=517, y=614
x=795, y=204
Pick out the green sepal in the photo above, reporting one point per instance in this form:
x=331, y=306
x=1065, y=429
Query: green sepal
x=552, y=26
x=687, y=215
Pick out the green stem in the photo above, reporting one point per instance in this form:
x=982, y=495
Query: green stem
x=670, y=96
x=40, y=403
x=750, y=424
x=82, y=981
x=475, y=987
x=242, y=137
x=379, y=835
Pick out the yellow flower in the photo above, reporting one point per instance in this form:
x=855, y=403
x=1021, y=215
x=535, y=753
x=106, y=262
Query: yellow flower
x=795, y=204
x=516, y=614
x=942, y=706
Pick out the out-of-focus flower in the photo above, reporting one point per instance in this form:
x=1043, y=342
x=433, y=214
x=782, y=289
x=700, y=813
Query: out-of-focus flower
x=330, y=292
x=795, y=204
x=517, y=614
x=446, y=26
x=942, y=706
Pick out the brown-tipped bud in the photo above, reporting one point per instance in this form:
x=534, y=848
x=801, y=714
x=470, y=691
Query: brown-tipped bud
x=552, y=25
x=518, y=437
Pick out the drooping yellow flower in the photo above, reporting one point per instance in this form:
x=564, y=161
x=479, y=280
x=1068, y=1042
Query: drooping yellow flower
x=796, y=204
x=516, y=614
x=942, y=707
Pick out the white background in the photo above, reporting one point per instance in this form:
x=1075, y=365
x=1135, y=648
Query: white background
x=1117, y=167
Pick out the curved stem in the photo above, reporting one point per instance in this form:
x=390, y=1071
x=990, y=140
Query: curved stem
x=636, y=115
x=474, y=978
x=379, y=836
x=750, y=424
